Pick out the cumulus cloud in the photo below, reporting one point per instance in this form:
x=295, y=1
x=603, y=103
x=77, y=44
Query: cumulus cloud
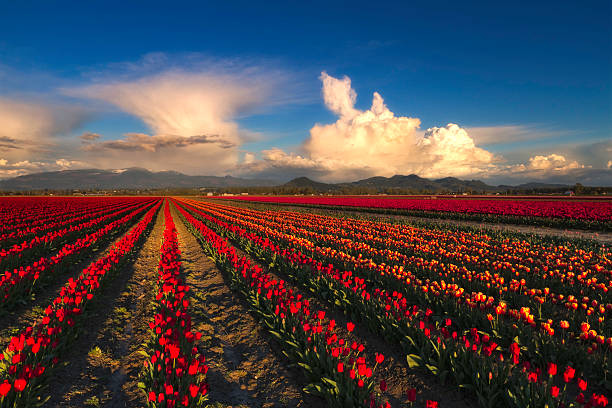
x=554, y=162
x=549, y=168
x=376, y=142
x=339, y=96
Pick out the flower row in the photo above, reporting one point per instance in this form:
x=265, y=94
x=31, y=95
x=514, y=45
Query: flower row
x=18, y=283
x=37, y=349
x=385, y=310
x=174, y=371
x=336, y=367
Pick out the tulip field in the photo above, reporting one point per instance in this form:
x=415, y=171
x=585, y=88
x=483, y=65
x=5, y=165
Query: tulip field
x=588, y=212
x=194, y=302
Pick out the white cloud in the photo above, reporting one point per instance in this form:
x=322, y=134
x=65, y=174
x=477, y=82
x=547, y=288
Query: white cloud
x=339, y=96
x=248, y=158
x=30, y=131
x=552, y=162
x=19, y=168
x=192, y=114
x=185, y=103
x=32, y=121
x=89, y=137
x=376, y=142
x=64, y=164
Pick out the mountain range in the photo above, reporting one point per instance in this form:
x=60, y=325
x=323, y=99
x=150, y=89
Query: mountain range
x=131, y=178
x=139, y=178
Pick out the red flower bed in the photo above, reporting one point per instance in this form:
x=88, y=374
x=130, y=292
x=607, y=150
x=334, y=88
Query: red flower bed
x=21, y=281
x=336, y=367
x=583, y=210
x=175, y=371
x=526, y=376
x=39, y=347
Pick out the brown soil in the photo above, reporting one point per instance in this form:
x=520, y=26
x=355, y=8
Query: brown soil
x=246, y=370
x=104, y=364
x=394, y=370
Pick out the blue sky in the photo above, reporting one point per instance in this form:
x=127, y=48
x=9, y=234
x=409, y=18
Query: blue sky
x=533, y=79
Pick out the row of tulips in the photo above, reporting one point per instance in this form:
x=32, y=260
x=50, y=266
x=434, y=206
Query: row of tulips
x=174, y=370
x=33, y=248
x=468, y=308
x=17, y=284
x=336, y=368
x=18, y=213
x=33, y=353
x=517, y=294
x=538, y=263
x=23, y=212
x=429, y=340
x=550, y=305
x=59, y=221
x=556, y=213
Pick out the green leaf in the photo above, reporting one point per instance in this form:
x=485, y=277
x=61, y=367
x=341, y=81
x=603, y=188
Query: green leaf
x=414, y=360
x=329, y=381
x=275, y=334
x=313, y=389
x=305, y=367
x=292, y=344
x=432, y=369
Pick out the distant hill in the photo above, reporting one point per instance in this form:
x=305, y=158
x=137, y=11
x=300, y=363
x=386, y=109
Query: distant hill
x=305, y=182
x=131, y=178
x=532, y=186
x=136, y=178
x=397, y=182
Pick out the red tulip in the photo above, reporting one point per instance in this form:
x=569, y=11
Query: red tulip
x=5, y=387
x=568, y=374
x=20, y=384
x=411, y=394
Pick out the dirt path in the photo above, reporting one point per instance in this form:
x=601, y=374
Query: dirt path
x=104, y=363
x=245, y=370
x=12, y=321
x=602, y=237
